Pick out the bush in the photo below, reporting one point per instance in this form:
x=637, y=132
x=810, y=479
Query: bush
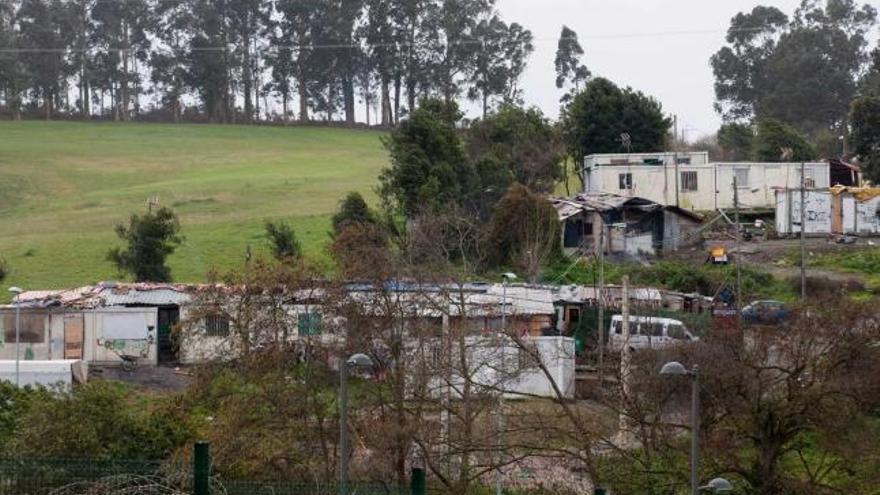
x=524, y=232
x=282, y=240
x=99, y=420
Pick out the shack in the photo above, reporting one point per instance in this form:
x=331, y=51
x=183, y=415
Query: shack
x=624, y=224
x=833, y=211
x=97, y=324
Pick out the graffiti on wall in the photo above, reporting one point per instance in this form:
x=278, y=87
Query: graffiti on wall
x=868, y=216
x=817, y=212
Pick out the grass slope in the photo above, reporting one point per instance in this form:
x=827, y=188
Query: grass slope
x=64, y=185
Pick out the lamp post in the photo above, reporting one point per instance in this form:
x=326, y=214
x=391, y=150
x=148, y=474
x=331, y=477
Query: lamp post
x=674, y=368
x=718, y=485
x=354, y=361
x=499, y=484
x=17, y=291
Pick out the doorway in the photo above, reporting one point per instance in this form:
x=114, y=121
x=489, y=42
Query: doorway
x=166, y=349
x=73, y=336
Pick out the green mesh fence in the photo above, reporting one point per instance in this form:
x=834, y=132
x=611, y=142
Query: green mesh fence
x=117, y=477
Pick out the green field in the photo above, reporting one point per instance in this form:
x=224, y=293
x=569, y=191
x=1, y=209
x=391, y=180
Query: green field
x=64, y=185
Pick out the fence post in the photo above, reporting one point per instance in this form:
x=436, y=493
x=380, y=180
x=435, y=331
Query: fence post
x=417, y=482
x=201, y=468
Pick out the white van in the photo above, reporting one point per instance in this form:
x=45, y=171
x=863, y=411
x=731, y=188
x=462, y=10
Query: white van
x=648, y=332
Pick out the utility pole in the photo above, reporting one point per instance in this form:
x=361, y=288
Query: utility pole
x=803, y=234
x=738, y=251
x=675, y=157
x=625, y=359
x=600, y=298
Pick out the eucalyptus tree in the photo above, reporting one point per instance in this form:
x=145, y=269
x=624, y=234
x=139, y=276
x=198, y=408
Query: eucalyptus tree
x=120, y=39
x=802, y=69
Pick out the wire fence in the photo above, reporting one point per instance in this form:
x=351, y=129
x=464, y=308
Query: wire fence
x=20, y=476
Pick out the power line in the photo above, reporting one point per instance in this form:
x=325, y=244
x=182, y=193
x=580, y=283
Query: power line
x=337, y=46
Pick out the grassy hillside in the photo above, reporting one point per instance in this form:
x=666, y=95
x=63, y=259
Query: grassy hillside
x=64, y=185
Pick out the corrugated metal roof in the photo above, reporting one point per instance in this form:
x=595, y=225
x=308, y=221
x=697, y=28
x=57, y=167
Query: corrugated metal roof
x=601, y=202
x=157, y=297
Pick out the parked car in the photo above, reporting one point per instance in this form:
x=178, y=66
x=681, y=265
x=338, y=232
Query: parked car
x=765, y=312
x=648, y=332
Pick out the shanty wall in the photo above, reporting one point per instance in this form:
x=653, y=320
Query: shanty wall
x=826, y=213
x=714, y=187
x=493, y=364
x=98, y=333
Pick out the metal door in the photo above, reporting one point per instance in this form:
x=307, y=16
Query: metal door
x=168, y=317
x=73, y=337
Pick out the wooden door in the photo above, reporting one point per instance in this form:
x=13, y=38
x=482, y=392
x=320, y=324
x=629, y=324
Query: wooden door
x=73, y=337
x=837, y=214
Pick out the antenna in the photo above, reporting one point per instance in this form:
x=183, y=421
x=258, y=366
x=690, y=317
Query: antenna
x=626, y=141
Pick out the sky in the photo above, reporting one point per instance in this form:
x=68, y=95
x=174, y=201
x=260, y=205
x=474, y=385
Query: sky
x=660, y=47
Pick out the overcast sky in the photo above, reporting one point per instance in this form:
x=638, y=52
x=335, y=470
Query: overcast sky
x=623, y=40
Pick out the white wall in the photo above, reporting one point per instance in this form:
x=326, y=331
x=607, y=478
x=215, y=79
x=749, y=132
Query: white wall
x=123, y=329
x=714, y=182
x=856, y=217
x=505, y=366
x=45, y=373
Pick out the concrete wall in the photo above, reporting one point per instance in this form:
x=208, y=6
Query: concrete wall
x=46, y=373
x=504, y=366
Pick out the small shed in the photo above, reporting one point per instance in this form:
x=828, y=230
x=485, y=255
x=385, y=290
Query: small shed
x=837, y=210
x=623, y=224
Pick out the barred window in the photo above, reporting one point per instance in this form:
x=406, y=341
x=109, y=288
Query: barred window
x=216, y=326
x=625, y=181
x=689, y=181
x=309, y=323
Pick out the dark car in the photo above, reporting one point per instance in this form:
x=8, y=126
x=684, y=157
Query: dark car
x=765, y=312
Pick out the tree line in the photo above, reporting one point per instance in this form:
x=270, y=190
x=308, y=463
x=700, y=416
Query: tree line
x=810, y=77
x=237, y=60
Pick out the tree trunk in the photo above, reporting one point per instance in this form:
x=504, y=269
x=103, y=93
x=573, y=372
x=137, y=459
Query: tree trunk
x=397, y=86
x=247, y=76
x=411, y=94
x=367, y=102
x=257, y=82
x=303, y=100
x=485, y=103
x=126, y=53
x=47, y=103
x=348, y=98
x=386, y=103
x=284, y=98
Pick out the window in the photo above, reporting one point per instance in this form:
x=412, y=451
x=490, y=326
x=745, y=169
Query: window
x=216, y=326
x=309, y=323
x=625, y=181
x=656, y=329
x=683, y=160
x=689, y=181
x=676, y=331
x=742, y=177
x=32, y=328
x=617, y=327
x=435, y=356
x=810, y=183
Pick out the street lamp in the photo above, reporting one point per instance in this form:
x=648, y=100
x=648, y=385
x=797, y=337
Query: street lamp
x=508, y=277
x=718, y=485
x=355, y=361
x=17, y=291
x=674, y=368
